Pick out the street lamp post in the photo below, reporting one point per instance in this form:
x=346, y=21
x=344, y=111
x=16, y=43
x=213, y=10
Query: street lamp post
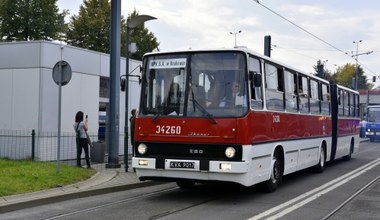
x=132, y=23
x=235, y=33
x=356, y=65
x=356, y=59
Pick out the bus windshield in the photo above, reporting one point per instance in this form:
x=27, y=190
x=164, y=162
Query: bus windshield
x=207, y=84
x=374, y=114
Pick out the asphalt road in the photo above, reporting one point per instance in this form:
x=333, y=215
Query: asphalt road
x=337, y=193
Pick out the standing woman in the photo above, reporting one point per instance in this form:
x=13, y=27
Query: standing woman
x=80, y=128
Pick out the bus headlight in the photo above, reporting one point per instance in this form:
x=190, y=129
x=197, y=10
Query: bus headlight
x=142, y=148
x=230, y=152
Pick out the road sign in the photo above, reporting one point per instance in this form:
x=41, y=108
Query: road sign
x=64, y=68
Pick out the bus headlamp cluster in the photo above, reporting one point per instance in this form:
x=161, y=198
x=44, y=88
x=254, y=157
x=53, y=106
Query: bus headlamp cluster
x=142, y=148
x=230, y=152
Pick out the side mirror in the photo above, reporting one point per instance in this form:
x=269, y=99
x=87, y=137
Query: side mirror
x=122, y=84
x=256, y=78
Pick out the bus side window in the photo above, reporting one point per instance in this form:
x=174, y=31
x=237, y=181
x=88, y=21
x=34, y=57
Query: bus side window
x=290, y=91
x=303, y=94
x=314, y=97
x=356, y=105
x=340, y=103
x=345, y=103
x=325, y=100
x=274, y=87
x=256, y=91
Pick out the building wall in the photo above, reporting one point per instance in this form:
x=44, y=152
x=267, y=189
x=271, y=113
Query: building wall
x=29, y=96
x=19, y=95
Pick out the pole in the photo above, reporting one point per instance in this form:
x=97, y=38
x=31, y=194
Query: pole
x=132, y=23
x=33, y=143
x=59, y=116
x=235, y=33
x=356, y=66
x=113, y=128
x=126, y=101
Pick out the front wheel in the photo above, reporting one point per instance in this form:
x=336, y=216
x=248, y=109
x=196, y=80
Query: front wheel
x=276, y=175
x=185, y=184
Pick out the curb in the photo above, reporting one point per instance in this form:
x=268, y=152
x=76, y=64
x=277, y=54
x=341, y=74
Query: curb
x=74, y=195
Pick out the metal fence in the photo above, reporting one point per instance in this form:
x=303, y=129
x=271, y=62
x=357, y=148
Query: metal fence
x=43, y=146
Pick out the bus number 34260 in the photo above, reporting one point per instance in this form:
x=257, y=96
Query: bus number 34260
x=167, y=129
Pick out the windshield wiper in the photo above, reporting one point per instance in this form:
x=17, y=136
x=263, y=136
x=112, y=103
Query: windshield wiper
x=203, y=110
x=157, y=115
x=167, y=110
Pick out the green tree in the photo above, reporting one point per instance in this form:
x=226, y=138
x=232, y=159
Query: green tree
x=145, y=40
x=90, y=29
x=30, y=20
x=346, y=73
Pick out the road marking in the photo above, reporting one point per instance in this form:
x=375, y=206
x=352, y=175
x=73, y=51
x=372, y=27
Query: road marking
x=315, y=193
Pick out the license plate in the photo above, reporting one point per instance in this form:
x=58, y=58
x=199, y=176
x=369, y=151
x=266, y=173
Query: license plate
x=182, y=165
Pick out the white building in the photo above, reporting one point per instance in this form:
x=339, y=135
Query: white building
x=29, y=96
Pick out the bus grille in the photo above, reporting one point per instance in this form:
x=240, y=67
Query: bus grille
x=190, y=151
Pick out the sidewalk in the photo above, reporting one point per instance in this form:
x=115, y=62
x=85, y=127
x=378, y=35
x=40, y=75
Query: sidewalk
x=104, y=181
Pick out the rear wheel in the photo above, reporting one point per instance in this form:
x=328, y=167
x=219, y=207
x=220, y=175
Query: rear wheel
x=348, y=157
x=276, y=175
x=322, y=161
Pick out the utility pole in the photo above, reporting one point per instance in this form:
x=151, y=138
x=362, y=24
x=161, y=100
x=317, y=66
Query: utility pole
x=113, y=125
x=356, y=59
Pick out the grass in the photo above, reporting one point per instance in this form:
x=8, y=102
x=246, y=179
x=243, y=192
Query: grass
x=22, y=176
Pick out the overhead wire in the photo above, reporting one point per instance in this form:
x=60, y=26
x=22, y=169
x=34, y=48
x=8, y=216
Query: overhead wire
x=311, y=34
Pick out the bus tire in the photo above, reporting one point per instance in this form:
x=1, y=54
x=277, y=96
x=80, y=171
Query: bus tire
x=322, y=161
x=276, y=174
x=185, y=184
x=348, y=157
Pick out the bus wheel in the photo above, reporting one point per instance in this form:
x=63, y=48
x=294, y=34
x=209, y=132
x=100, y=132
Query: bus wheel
x=348, y=157
x=322, y=161
x=185, y=184
x=276, y=174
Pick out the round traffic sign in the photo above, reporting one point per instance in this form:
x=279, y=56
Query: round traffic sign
x=62, y=73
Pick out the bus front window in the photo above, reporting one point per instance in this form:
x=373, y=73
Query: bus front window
x=373, y=114
x=215, y=87
x=218, y=85
x=164, y=86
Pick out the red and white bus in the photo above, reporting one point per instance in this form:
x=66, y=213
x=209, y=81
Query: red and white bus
x=234, y=115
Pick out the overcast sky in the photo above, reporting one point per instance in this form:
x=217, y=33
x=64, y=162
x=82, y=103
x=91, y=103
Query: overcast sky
x=183, y=24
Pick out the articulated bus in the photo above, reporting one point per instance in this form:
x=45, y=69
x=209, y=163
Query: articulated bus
x=234, y=115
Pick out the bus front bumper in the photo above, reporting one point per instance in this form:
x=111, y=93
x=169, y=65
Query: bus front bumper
x=190, y=165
